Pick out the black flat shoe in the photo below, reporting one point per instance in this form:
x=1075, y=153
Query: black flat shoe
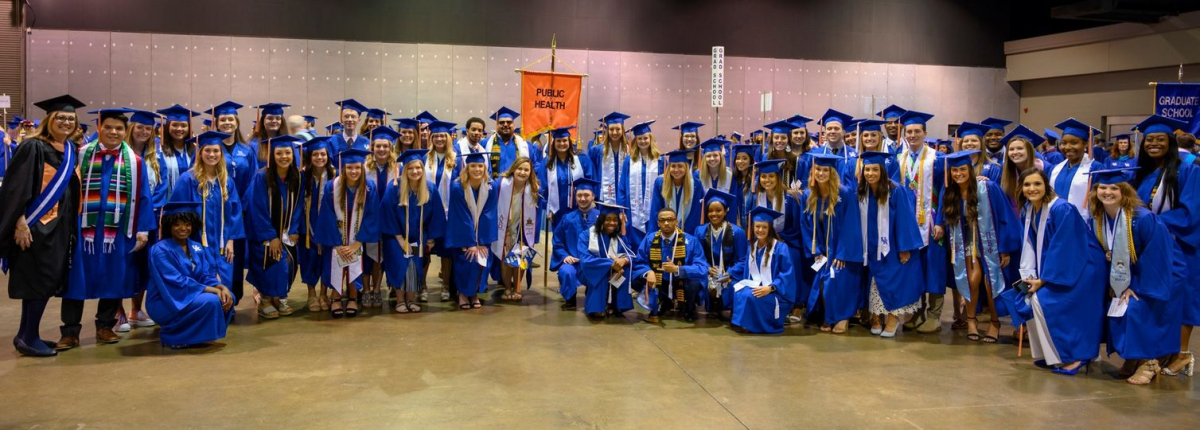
x=30, y=351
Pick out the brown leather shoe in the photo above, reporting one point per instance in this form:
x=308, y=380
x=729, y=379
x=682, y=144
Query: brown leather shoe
x=67, y=342
x=106, y=335
x=652, y=319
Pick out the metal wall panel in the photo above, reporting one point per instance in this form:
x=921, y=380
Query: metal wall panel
x=399, y=80
x=212, y=72
x=364, y=70
x=435, y=64
x=288, y=68
x=130, y=73
x=171, y=62
x=469, y=81
x=47, y=68
x=326, y=79
x=88, y=66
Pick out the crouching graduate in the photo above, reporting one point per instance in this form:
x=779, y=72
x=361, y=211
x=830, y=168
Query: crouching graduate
x=185, y=295
x=724, y=246
x=470, y=229
x=760, y=299
x=412, y=218
x=1146, y=275
x=564, y=259
x=272, y=226
x=670, y=261
x=606, y=264
x=890, y=236
x=347, y=220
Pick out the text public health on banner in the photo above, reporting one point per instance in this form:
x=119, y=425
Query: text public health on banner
x=549, y=100
x=1178, y=101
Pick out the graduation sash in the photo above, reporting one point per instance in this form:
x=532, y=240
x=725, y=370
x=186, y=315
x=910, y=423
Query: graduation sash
x=918, y=176
x=49, y=196
x=576, y=172
x=345, y=272
x=656, y=256
x=528, y=212
x=639, y=195
x=715, y=250
x=614, y=249
x=437, y=165
x=1117, y=241
x=1079, y=183
x=494, y=153
x=124, y=177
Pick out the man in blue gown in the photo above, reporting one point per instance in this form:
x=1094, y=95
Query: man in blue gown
x=670, y=264
x=563, y=257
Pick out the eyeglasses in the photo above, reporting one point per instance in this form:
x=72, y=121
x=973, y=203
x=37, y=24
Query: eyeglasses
x=662, y=220
x=65, y=119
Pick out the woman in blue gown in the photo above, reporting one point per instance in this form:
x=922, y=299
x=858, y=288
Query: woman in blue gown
x=611, y=161
x=272, y=226
x=348, y=220
x=645, y=166
x=241, y=161
x=411, y=219
x=317, y=171
x=772, y=193
x=761, y=283
x=382, y=169
x=827, y=232
x=1170, y=188
x=1123, y=153
x=470, y=229
x=604, y=253
x=178, y=151
x=743, y=180
x=1062, y=266
x=563, y=168
x=714, y=174
x=1145, y=274
x=141, y=139
x=442, y=167
x=725, y=245
x=220, y=206
x=678, y=190
x=191, y=304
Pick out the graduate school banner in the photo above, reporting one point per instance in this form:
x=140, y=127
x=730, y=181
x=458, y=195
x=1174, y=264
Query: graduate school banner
x=1177, y=101
x=549, y=100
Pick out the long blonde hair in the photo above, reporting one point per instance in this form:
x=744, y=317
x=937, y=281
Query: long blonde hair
x=422, y=189
x=1129, y=203
x=151, y=147
x=532, y=182
x=668, y=189
x=636, y=153
x=608, y=145
x=371, y=164
x=722, y=170
x=449, y=158
x=830, y=187
x=203, y=180
x=360, y=191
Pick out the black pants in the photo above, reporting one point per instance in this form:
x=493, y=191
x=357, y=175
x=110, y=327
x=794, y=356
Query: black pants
x=691, y=293
x=72, y=315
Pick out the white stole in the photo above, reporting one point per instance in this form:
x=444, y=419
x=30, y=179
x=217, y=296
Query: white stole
x=882, y=220
x=924, y=191
x=1031, y=253
x=1079, y=183
x=639, y=195
x=552, y=203
x=503, y=209
x=349, y=231
x=439, y=162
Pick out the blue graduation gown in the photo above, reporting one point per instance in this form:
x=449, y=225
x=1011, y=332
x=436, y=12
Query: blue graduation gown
x=764, y=314
x=562, y=176
x=215, y=229
x=1052, y=158
x=638, y=232
x=308, y=254
x=595, y=271
x=158, y=197
x=183, y=161
x=1062, y=184
x=461, y=231
x=621, y=169
x=657, y=203
x=272, y=278
x=564, y=244
x=693, y=268
x=6, y=155
x=899, y=284
x=792, y=234
x=416, y=223
x=327, y=234
x=509, y=153
x=1121, y=162
x=338, y=144
x=846, y=166
x=721, y=255
x=836, y=238
x=186, y=315
x=241, y=163
x=1007, y=228
x=1151, y=325
x=1183, y=221
x=439, y=176
x=110, y=273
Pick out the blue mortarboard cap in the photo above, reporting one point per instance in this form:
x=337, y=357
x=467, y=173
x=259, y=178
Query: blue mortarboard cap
x=1023, y=132
x=688, y=127
x=333, y=128
x=764, y=214
x=1076, y=128
x=827, y=160
x=175, y=208
x=272, y=108
x=377, y=113
x=960, y=158
x=209, y=138
x=476, y=157
x=737, y=137
x=317, y=143
x=873, y=157
x=562, y=132
x=678, y=156
x=353, y=156
x=411, y=155
x=178, y=113
x=284, y=141
x=780, y=127
x=586, y=184
x=503, y=113
x=970, y=128
x=15, y=121
x=1113, y=176
x=227, y=108
x=407, y=123
x=206, y=122
x=615, y=118
x=852, y=126
x=425, y=117
x=641, y=128
x=912, y=117
x=383, y=132
x=891, y=113
x=716, y=195
x=310, y=118
x=745, y=148
x=609, y=209
x=799, y=121
x=756, y=133
x=1050, y=135
x=144, y=118
x=712, y=145
x=1159, y=124
x=352, y=104
x=835, y=116
x=1122, y=136
x=440, y=127
x=112, y=112
x=870, y=125
x=769, y=166
x=993, y=123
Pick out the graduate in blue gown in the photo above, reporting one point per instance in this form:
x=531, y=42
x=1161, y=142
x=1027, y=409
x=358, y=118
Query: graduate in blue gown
x=778, y=148
x=1145, y=273
x=506, y=146
x=670, y=269
x=1062, y=268
x=1170, y=187
x=348, y=220
x=970, y=137
x=831, y=234
x=1123, y=153
x=1050, y=152
x=744, y=179
x=605, y=253
x=177, y=153
x=1070, y=177
x=645, y=166
x=772, y=194
x=714, y=173
x=725, y=245
x=116, y=216
x=563, y=258
x=981, y=229
x=611, y=162
x=220, y=206
x=412, y=218
x=185, y=296
x=760, y=298
x=833, y=123
x=993, y=138
x=349, y=138
x=870, y=138
x=272, y=227
x=563, y=167
x=922, y=172
x=678, y=190
x=317, y=171
x=241, y=161
x=470, y=229
x=383, y=170
x=141, y=139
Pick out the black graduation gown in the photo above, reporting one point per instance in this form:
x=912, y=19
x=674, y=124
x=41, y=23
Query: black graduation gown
x=40, y=271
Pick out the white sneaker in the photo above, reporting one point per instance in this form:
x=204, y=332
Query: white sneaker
x=445, y=295
x=123, y=328
x=144, y=320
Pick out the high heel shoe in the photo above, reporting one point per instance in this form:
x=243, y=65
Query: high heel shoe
x=1148, y=369
x=1187, y=370
x=891, y=334
x=1072, y=372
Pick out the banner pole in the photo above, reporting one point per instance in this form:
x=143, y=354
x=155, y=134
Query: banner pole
x=1153, y=98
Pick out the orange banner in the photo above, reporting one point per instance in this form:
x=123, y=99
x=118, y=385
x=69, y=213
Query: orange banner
x=548, y=101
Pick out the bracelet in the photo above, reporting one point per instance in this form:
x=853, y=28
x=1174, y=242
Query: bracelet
x=22, y=228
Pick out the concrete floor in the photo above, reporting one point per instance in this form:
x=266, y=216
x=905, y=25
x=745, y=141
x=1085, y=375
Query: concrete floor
x=534, y=366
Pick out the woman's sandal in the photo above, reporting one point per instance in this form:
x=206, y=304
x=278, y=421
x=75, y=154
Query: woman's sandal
x=463, y=304
x=324, y=303
x=268, y=312
x=973, y=337
x=352, y=312
x=959, y=324
x=826, y=328
x=1145, y=373
x=476, y=304
x=402, y=308
x=841, y=328
x=285, y=309
x=314, y=304
x=517, y=297
x=992, y=338
x=413, y=307
x=337, y=312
